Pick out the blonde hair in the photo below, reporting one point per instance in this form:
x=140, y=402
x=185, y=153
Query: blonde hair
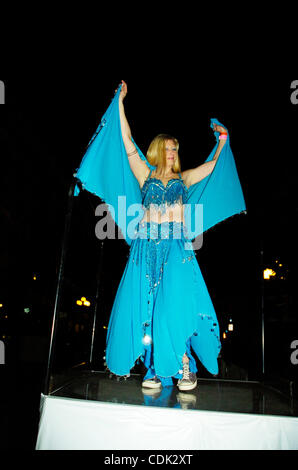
x=156, y=154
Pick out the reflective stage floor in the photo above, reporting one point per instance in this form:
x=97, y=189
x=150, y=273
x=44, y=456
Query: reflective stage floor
x=210, y=395
x=89, y=410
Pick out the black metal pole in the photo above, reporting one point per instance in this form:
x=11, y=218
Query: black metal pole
x=60, y=280
x=99, y=272
x=263, y=310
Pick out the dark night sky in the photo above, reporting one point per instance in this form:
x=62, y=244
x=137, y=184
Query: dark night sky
x=49, y=126
x=234, y=65
x=45, y=127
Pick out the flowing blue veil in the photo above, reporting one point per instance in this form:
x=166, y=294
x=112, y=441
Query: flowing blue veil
x=105, y=172
x=219, y=195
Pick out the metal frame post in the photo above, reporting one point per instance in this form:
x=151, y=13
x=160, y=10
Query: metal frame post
x=60, y=280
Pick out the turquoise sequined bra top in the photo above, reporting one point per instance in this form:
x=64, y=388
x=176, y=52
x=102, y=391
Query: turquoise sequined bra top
x=161, y=196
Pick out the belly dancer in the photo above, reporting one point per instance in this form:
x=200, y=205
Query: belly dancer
x=162, y=313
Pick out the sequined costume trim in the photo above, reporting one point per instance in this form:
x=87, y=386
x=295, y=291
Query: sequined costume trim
x=160, y=197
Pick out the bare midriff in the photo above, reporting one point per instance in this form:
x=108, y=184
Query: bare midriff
x=173, y=213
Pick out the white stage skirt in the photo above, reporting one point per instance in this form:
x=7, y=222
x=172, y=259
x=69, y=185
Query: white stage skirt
x=73, y=424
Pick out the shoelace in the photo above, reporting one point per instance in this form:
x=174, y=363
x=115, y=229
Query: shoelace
x=186, y=371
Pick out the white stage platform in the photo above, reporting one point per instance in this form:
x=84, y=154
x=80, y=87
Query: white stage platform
x=80, y=419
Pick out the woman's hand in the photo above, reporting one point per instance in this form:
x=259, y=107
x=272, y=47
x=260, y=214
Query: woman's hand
x=123, y=91
x=220, y=129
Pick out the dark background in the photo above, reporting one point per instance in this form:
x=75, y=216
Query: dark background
x=45, y=127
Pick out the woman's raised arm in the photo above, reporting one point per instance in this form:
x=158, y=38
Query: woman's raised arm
x=137, y=165
x=200, y=172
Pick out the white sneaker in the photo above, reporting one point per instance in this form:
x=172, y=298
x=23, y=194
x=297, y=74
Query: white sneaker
x=189, y=379
x=152, y=383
